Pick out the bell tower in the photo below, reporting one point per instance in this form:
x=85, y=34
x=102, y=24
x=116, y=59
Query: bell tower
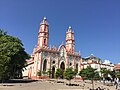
x=70, y=40
x=43, y=34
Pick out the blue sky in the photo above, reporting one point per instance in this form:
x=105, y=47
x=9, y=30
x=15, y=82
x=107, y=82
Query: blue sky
x=96, y=24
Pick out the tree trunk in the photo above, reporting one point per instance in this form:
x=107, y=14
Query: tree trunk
x=69, y=82
x=92, y=84
x=103, y=81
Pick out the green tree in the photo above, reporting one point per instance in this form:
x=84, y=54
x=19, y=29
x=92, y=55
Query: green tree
x=49, y=72
x=44, y=72
x=89, y=74
x=69, y=74
x=112, y=74
x=96, y=76
x=118, y=74
x=39, y=73
x=58, y=73
x=83, y=74
x=76, y=71
x=12, y=56
x=104, y=73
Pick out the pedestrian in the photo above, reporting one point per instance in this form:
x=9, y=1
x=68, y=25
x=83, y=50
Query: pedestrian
x=116, y=83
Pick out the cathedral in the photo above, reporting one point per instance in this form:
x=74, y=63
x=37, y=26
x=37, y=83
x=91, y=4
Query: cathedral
x=46, y=58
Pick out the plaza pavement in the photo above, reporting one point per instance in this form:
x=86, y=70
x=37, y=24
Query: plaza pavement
x=53, y=85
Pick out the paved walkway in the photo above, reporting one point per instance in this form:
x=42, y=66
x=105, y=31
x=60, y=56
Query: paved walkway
x=53, y=85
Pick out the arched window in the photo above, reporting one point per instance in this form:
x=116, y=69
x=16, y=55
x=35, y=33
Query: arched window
x=44, y=41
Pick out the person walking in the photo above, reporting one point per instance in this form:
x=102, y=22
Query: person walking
x=116, y=83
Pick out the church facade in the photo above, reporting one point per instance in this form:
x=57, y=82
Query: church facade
x=46, y=58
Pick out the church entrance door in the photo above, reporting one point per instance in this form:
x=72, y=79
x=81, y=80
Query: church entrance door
x=53, y=72
x=62, y=66
x=45, y=65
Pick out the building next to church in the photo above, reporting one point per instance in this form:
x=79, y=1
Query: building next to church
x=44, y=57
x=96, y=63
x=117, y=67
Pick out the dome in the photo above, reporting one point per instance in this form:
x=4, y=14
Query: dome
x=44, y=21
